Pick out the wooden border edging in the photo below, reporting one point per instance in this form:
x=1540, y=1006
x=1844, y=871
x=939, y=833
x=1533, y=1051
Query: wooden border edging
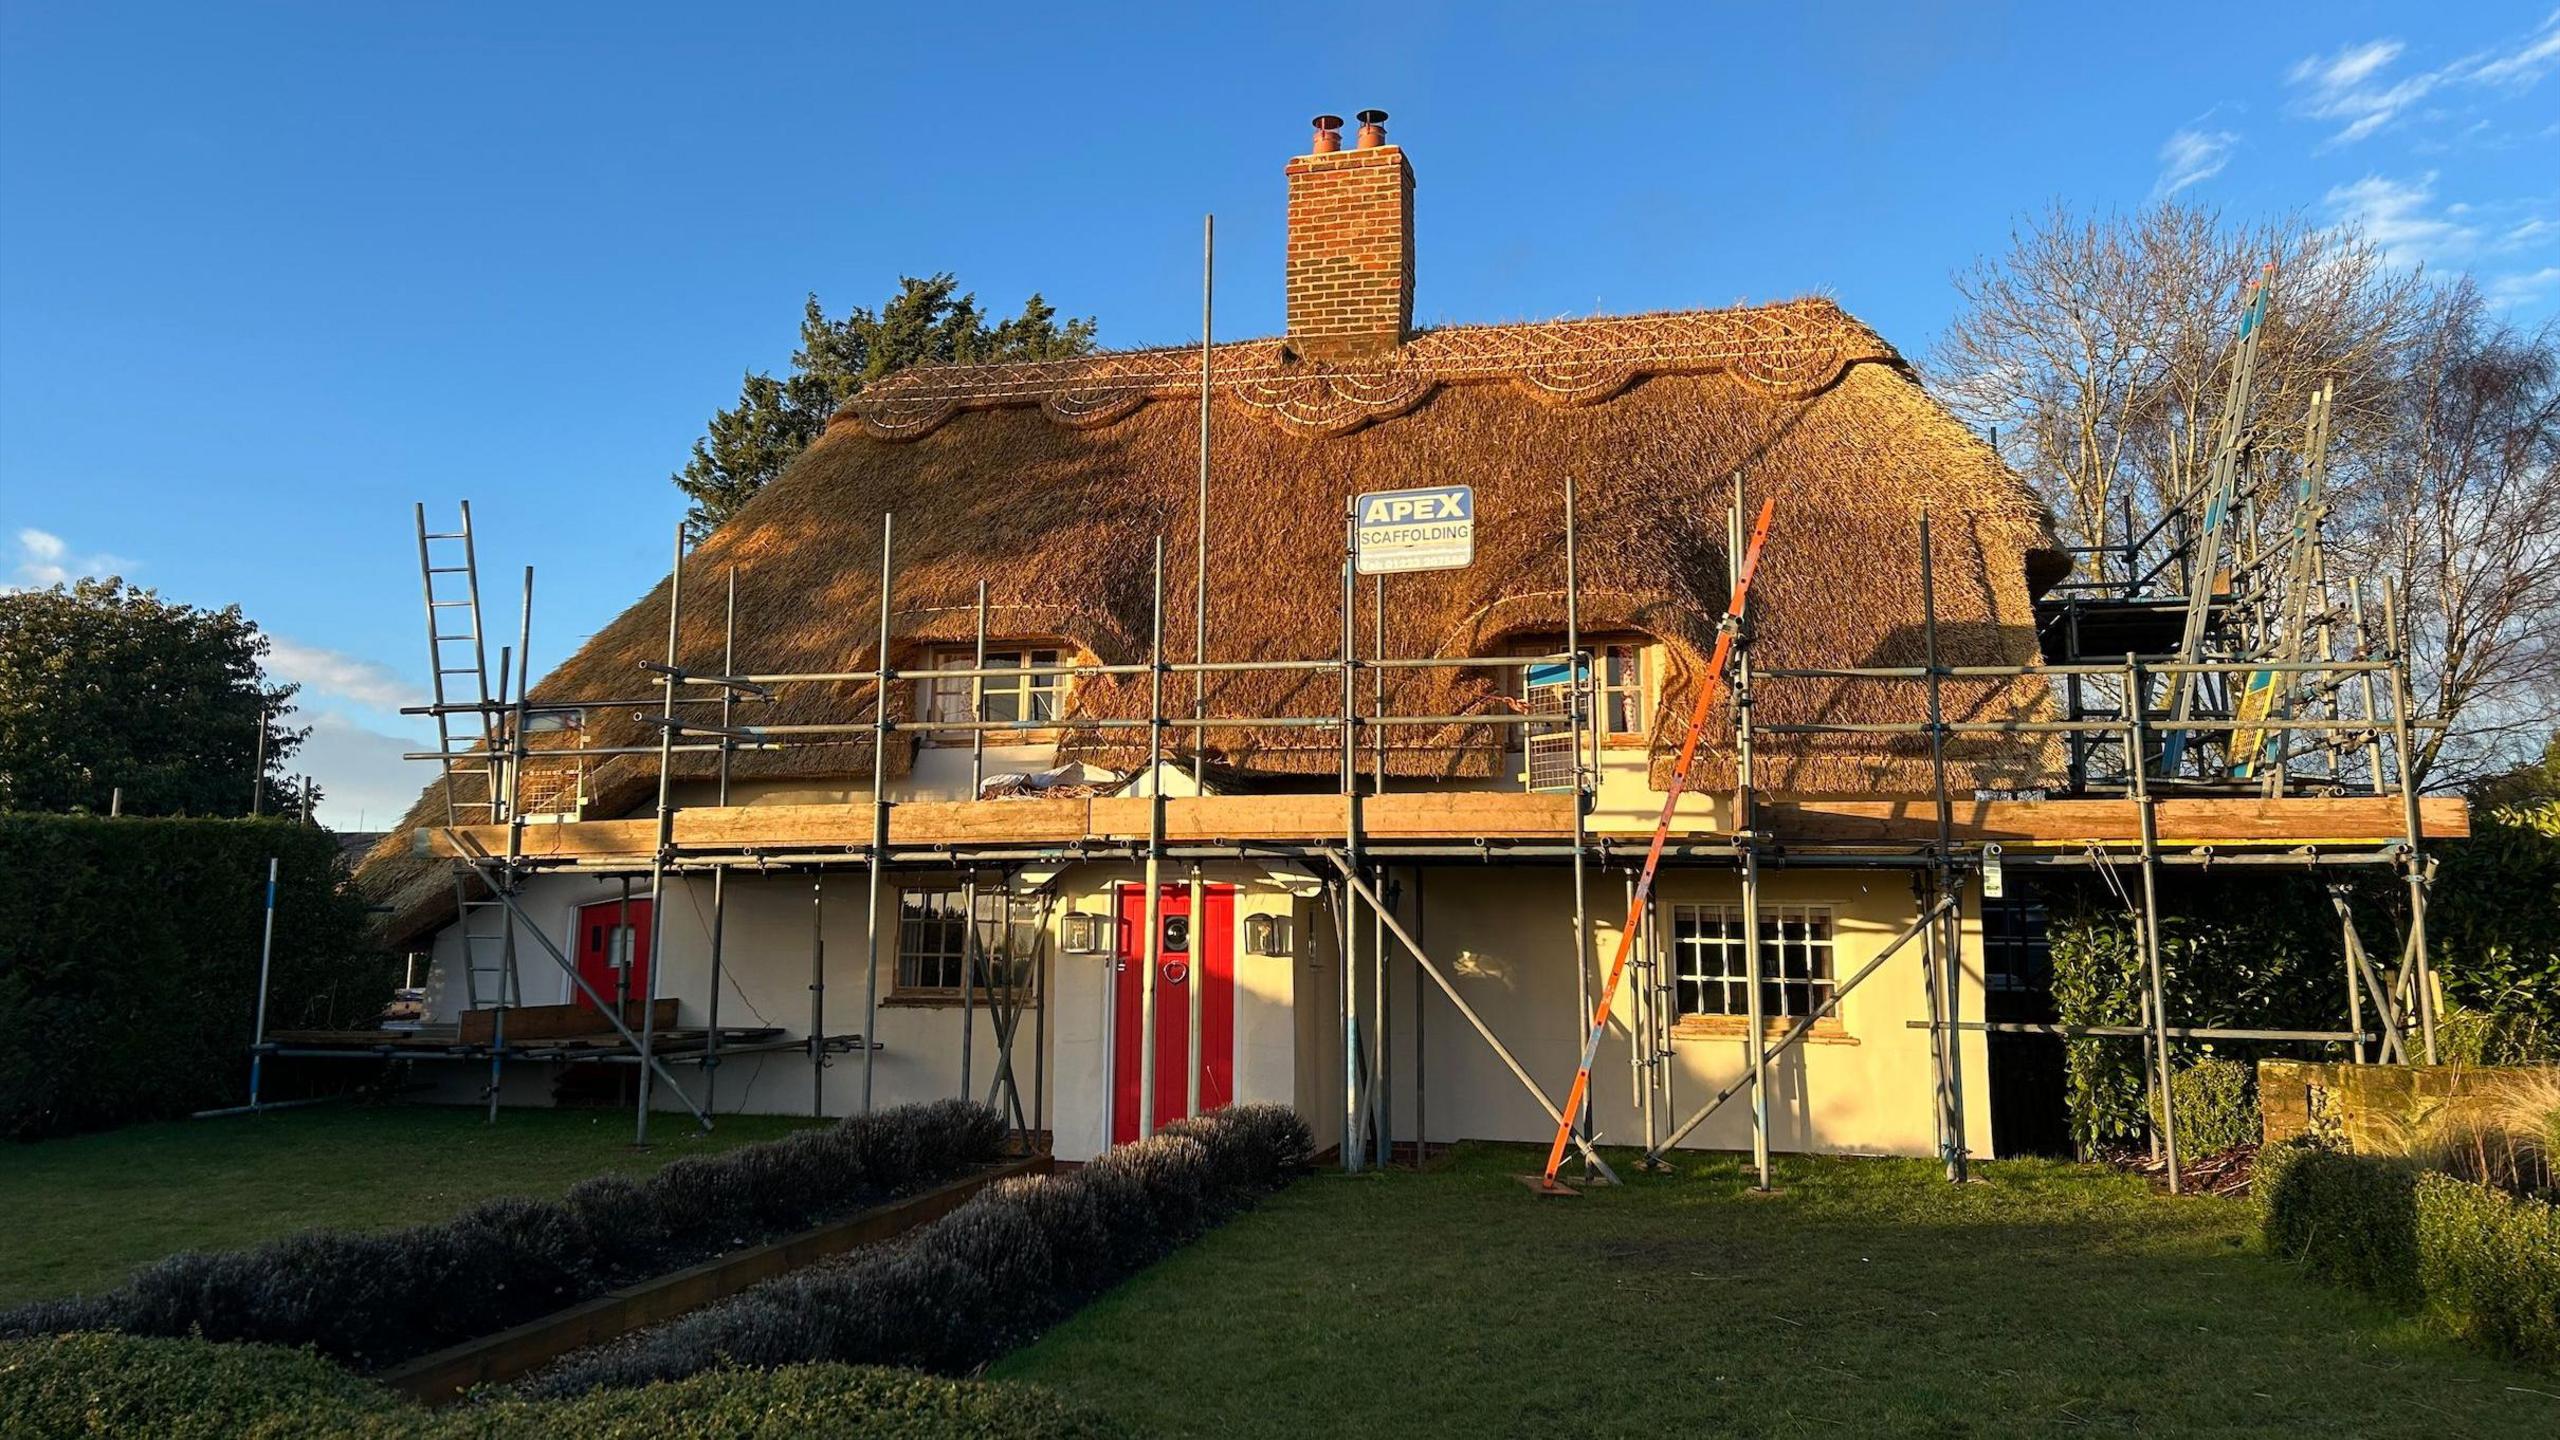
x=442, y=1377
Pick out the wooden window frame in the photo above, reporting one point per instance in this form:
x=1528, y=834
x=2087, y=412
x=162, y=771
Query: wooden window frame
x=946, y=701
x=1637, y=651
x=1786, y=999
x=908, y=985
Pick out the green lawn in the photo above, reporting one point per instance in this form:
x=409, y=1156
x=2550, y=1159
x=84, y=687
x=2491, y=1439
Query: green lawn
x=77, y=1214
x=1867, y=1297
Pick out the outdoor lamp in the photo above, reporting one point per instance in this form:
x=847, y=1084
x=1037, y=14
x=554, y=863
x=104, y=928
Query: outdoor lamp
x=1084, y=934
x=1262, y=935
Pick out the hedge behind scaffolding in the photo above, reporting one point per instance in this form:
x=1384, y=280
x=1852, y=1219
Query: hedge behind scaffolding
x=129, y=962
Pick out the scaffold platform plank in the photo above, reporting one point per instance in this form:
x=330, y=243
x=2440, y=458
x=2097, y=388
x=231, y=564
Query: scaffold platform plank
x=1461, y=817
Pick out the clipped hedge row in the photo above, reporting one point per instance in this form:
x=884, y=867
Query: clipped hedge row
x=129, y=962
x=80, y=1386
x=370, y=1301
x=2480, y=1262
x=990, y=1275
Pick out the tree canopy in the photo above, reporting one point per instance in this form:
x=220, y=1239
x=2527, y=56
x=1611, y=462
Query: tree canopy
x=929, y=321
x=105, y=686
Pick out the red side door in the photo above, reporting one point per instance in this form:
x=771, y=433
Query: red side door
x=1202, y=955
x=613, y=952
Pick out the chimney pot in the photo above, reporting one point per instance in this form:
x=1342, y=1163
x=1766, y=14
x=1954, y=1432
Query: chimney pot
x=1328, y=134
x=1373, y=129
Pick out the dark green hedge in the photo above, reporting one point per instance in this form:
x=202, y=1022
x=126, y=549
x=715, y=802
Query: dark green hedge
x=129, y=962
x=2482, y=1263
x=87, y=1386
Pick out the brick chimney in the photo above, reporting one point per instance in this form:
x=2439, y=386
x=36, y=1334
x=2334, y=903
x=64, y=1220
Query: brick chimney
x=1350, y=244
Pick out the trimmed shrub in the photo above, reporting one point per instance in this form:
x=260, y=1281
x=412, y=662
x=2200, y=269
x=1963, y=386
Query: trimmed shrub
x=374, y=1300
x=2489, y=1266
x=2217, y=1102
x=2348, y=1218
x=129, y=963
x=112, y=1385
x=2482, y=1264
x=964, y=1289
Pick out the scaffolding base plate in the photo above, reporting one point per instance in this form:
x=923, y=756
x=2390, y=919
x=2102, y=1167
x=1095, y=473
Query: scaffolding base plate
x=1540, y=1185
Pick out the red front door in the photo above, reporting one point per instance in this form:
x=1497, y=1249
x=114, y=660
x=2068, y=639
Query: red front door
x=1201, y=955
x=613, y=952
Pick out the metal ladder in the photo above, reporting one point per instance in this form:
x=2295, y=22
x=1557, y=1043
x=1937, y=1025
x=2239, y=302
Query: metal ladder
x=2210, y=553
x=452, y=584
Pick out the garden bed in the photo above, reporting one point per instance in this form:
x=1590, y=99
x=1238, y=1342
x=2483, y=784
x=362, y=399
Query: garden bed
x=372, y=1301
x=963, y=1290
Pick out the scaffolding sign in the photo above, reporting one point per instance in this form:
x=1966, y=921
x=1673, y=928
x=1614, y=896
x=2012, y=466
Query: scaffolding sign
x=1396, y=531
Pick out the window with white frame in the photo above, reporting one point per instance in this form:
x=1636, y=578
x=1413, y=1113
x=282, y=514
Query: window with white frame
x=933, y=933
x=1619, y=702
x=1711, y=967
x=1033, y=697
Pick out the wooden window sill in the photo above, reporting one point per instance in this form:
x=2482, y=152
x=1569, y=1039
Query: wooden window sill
x=943, y=1000
x=1734, y=1027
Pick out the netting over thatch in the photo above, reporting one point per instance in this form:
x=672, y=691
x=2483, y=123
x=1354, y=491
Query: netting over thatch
x=1019, y=475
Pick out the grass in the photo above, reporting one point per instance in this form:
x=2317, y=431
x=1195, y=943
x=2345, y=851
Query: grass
x=80, y=1213
x=1866, y=1297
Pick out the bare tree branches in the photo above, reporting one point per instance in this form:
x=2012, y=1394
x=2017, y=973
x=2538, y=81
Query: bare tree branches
x=2098, y=347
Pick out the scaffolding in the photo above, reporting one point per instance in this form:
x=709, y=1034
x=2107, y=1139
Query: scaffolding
x=2218, y=666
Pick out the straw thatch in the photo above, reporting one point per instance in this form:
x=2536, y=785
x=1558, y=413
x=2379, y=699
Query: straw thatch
x=1053, y=481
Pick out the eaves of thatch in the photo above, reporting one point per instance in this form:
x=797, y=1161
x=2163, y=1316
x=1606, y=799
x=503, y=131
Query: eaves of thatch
x=1052, y=481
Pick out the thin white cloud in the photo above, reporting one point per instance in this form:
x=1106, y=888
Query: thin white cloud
x=44, y=559
x=2525, y=288
x=2350, y=67
x=2397, y=216
x=2532, y=59
x=2350, y=88
x=364, y=784
x=2191, y=155
x=337, y=675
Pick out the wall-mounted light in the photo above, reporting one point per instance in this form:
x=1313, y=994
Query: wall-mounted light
x=1265, y=935
x=1084, y=934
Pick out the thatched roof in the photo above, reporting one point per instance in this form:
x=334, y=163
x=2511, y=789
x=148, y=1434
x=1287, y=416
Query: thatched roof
x=1053, y=480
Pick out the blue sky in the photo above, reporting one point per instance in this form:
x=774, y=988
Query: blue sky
x=270, y=273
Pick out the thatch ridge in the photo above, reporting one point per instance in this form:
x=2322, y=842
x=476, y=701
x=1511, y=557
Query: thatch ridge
x=1791, y=349
x=1060, y=521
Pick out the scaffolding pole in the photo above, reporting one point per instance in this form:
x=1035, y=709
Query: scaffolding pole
x=1746, y=836
x=2413, y=865
x=1148, y=1000
x=880, y=678
x=1351, y=880
x=2136, y=743
x=1582, y=675
x=969, y=947
x=1946, y=974
x=665, y=843
x=720, y=874
x=1354, y=1071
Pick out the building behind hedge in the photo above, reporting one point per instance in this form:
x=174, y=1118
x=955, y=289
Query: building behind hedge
x=1490, y=792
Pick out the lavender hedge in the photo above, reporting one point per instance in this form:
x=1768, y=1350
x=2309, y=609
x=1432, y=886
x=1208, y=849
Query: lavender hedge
x=371, y=1301
x=959, y=1292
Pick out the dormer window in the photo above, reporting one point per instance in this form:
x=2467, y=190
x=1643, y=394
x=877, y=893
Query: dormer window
x=1620, y=705
x=1035, y=698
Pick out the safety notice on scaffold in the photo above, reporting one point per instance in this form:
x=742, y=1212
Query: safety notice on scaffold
x=1399, y=530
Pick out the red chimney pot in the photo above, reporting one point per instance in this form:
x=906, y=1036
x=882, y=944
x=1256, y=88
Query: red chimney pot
x=1328, y=134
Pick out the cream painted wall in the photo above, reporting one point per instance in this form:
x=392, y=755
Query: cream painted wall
x=1505, y=938
x=766, y=966
x=1504, y=934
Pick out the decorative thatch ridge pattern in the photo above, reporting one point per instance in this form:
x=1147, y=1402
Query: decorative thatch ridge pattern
x=1060, y=520
x=1789, y=350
